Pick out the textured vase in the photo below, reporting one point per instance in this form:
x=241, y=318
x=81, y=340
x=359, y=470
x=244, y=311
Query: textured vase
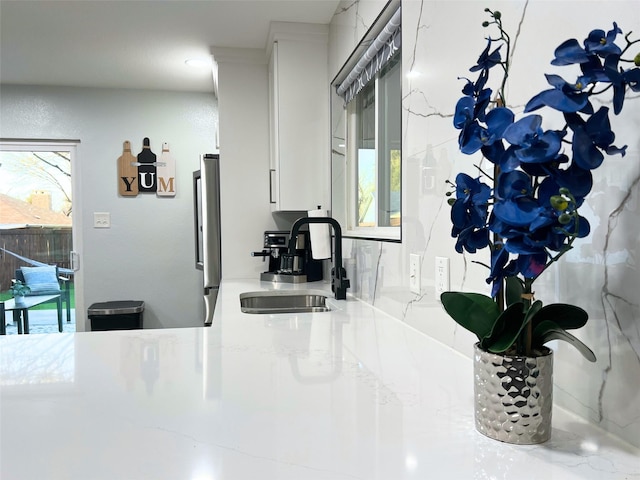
x=513, y=396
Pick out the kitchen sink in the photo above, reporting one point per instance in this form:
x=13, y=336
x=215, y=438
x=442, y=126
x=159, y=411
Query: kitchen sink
x=283, y=302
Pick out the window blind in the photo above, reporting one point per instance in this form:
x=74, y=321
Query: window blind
x=383, y=47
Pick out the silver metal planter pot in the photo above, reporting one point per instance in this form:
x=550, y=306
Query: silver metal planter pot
x=513, y=396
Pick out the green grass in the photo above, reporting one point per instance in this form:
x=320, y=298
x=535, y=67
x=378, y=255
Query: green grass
x=46, y=306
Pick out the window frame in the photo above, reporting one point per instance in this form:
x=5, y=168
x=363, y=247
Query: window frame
x=352, y=229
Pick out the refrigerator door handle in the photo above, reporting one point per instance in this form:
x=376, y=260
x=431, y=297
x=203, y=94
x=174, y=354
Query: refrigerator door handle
x=210, y=298
x=75, y=260
x=211, y=237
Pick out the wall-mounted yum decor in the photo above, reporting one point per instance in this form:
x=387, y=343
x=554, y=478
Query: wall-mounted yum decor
x=143, y=174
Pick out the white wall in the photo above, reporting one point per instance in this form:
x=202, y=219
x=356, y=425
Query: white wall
x=441, y=40
x=148, y=253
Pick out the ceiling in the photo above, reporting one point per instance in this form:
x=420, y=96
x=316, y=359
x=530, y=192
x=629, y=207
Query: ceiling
x=139, y=44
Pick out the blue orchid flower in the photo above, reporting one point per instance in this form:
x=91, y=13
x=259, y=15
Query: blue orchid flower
x=579, y=226
x=531, y=266
x=483, y=98
x=632, y=79
x=471, y=205
x=545, y=169
x=578, y=181
x=470, y=138
x=531, y=250
x=497, y=121
x=592, y=136
x=525, y=214
x=470, y=108
x=474, y=136
x=480, y=83
x=508, y=161
x=535, y=145
x=465, y=119
x=500, y=268
x=543, y=234
x=564, y=97
x=494, y=152
x=603, y=44
x=504, y=230
x=476, y=89
x=569, y=52
x=620, y=79
x=487, y=60
x=592, y=72
x=464, y=113
x=528, y=244
x=517, y=212
x=469, y=213
x=472, y=239
x=536, y=242
x=469, y=88
x=599, y=130
x=553, y=237
x=514, y=184
x=528, y=224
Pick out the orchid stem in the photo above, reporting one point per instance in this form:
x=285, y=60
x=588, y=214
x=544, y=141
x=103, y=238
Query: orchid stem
x=526, y=336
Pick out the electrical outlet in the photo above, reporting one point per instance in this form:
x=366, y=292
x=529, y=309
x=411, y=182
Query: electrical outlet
x=414, y=273
x=101, y=220
x=442, y=275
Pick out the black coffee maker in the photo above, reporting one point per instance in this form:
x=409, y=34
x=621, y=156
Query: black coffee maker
x=298, y=267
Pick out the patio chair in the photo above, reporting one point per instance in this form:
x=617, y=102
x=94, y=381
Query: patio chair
x=46, y=281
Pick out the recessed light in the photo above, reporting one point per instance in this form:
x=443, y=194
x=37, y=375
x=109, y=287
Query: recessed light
x=198, y=62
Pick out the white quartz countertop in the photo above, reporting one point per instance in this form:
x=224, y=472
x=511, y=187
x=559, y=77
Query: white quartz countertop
x=347, y=394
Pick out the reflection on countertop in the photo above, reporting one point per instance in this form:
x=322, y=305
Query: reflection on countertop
x=349, y=393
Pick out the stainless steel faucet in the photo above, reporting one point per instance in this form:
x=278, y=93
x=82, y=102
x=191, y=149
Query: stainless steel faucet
x=339, y=280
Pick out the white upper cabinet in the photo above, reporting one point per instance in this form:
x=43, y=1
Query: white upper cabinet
x=299, y=116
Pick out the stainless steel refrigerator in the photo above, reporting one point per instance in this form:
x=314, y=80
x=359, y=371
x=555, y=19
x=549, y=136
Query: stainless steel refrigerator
x=206, y=194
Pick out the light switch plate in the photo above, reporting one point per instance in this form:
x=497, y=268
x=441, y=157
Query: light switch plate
x=442, y=276
x=101, y=220
x=414, y=273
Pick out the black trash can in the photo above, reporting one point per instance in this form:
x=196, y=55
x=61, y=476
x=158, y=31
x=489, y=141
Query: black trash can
x=116, y=315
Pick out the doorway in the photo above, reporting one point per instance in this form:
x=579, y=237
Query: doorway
x=37, y=212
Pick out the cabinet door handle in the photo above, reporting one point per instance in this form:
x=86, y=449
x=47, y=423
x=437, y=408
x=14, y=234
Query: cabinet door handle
x=272, y=179
x=75, y=260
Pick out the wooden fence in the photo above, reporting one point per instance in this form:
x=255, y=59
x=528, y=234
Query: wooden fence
x=47, y=245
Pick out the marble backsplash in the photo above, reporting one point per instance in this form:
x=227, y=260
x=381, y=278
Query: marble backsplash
x=440, y=41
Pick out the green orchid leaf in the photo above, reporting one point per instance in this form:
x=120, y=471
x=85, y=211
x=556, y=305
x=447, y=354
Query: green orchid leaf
x=506, y=330
x=566, y=316
x=475, y=312
x=513, y=290
x=559, y=334
x=541, y=329
x=533, y=311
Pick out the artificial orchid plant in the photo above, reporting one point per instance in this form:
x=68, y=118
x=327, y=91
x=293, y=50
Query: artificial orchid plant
x=529, y=216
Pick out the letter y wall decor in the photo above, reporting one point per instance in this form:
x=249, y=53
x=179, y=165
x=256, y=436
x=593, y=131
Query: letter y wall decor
x=143, y=174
